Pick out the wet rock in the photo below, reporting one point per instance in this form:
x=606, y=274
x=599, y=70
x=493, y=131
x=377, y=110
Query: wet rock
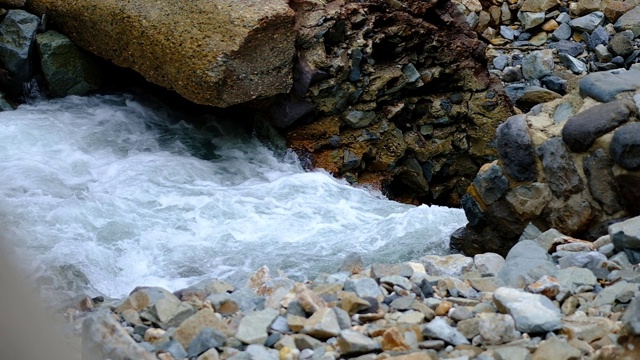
x=604, y=86
x=625, y=146
x=562, y=175
x=17, y=38
x=438, y=328
x=537, y=64
x=514, y=145
x=601, y=181
x=582, y=129
x=587, y=23
x=532, y=313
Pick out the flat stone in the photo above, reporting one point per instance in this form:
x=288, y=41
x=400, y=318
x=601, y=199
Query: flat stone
x=491, y=184
x=537, y=64
x=625, y=146
x=448, y=265
x=515, y=147
x=605, y=85
x=438, y=328
x=562, y=175
x=396, y=280
x=532, y=313
x=586, y=328
x=411, y=317
x=535, y=95
x=587, y=23
x=601, y=181
x=352, y=343
x=629, y=21
x=254, y=325
x=568, y=47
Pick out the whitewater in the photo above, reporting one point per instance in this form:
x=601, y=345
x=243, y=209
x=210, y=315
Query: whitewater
x=104, y=193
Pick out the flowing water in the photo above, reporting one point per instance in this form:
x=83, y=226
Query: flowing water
x=101, y=194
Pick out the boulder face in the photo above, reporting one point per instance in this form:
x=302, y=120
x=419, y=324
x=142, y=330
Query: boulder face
x=217, y=53
x=392, y=95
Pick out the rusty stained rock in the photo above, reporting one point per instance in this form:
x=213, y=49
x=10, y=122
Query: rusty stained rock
x=217, y=53
x=401, y=96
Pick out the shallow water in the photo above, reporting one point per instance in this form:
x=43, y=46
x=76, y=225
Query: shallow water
x=101, y=194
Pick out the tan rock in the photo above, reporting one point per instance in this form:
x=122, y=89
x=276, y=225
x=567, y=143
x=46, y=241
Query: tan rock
x=550, y=25
x=443, y=308
x=393, y=340
x=191, y=327
x=351, y=303
x=216, y=53
x=538, y=5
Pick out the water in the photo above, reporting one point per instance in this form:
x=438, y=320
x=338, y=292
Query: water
x=101, y=194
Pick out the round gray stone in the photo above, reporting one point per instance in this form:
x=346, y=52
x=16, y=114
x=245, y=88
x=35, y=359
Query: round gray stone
x=625, y=146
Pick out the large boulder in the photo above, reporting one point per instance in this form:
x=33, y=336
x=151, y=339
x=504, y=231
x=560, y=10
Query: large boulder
x=216, y=53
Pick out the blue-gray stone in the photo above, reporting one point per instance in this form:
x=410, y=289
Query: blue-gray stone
x=599, y=36
x=356, y=57
x=629, y=21
x=622, y=43
x=591, y=260
x=601, y=181
x=562, y=112
x=363, y=287
x=507, y=32
x=524, y=264
x=207, y=338
x=588, y=22
x=626, y=234
x=491, y=184
x=17, y=36
x=625, y=146
x=532, y=313
x=530, y=19
x=605, y=85
x=174, y=348
x=631, y=317
x=563, y=18
x=514, y=146
x=501, y=61
x=568, y=47
x=576, y=66
x=410, y=73
x=603, y=54
x=511, y=74
x=537, y=64
x=472, y=210
x=438, y=328
x=562, y=175
x=583, y=128
x=618, y=61
x=554, y=83
x=563, y=32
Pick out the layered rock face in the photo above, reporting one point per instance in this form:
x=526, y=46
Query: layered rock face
x=217, y=53
x=576, y=175
x=392, y=95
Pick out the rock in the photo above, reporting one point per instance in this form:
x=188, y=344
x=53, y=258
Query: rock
x=438, y=328
x=488, y=264
x=591, y=260
x=629, y=21
x=191, y=327
x=323, y=324
x=507, y=32
x=532, y=313
x=17, y=38
x=562, y=175
x=207, y=338
x=529, y=200
x=497, y=329
x=535, y=95
x=625, y=235
x=352, y=343
x=556, y=349
x=67, y=69
x=563, y=32
x=605, y=85
x=603, y=54
x=601, y=181
x=173, y=348
x=364, y=287
x=211, y=354
x=538, y=5
x=621, y=291
x=500, y=62
x=622, y=43
x=448, y=265
x=491, y=184
x=514, y=145
x=510, y=74
x=537, y=64
x=582, y=129
x=145, y=297
x=211, y=53
x=631, y=318
x=258, y=351
x=599, y=36
x=254, y=325
x=587, y=329
x=587, y=23
x=104, y=338
x=555, y=84
x=530, y=19
x=573, y=277
x=524, y=261
x=546, y=285
x=625, y=146
x=571, y=48
x=573, y=64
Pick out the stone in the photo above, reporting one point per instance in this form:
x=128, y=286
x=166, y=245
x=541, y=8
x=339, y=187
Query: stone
x=563, y=32
x=556, y=349
x=603, y=54
x=17, y=38
x=535, y=95
x=173, y=348
x=393, y=340
x=599, y=36
x=555, y=84
x=516, y=152
x=104, y=338
x=323, y=324
x=582, y=129
x=537, y=64
x=622, y=43
x=532, y=313
x=488, y=264
x=254, y=325
x=529, y=200
x=352, y=343
x=601, y=181
x=67, y=69
x=470, y=328
x=522, y=262
x=568, y=47
x=631, y=317
x=207, y=338
x=573, y=277
x=548, y=286
x=396, y=280
x=591, y=260
x=438, y=328
x=548, y=238
x=625, y=146
x=511, y=73
x=530, y=19
x=511, y=352
x=144, y=297
x=364, y=287
x=258, y=351
x=507, y=32
x=561, y=173
x=539, y=5
x=358, y=119
x=211, y=53
x=626, y=234
x=588, y=329
x=448, y=265
x=497, y=329
x=605, y=85
x=629, y=21
x=491, y=184
x=587, y=23
x=576, y=66
x=211, y=354
x=192, y=326
x=500, y=62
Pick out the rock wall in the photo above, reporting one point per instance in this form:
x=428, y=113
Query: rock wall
x=577, y=175
x=393, y=95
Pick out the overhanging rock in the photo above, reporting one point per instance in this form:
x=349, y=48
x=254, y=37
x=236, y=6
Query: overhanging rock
x=215, y=52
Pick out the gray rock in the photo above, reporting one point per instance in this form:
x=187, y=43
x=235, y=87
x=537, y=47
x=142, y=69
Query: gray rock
x=403, y=302
x=207, y=338
x=601, y=181
x=472, y=210
x=556, y=349
x=531, y=232
x=546, y=239
x=631, y=318
x=17, y=36
x=511, y=74
x=537, y=64
x=629, y=21
x=591, y=260
x=497, y=329
x=530, y=19
x=67, y=69
x=554, y=83
x=261, y=352
x=532, y=313
x=103, y=338
x=253, y=326
x=562, y=112
x=622, y=43
x=588, y=22
x=363, y=287
x=323, y=324
x=501, y=61
x=605, y=85
x=563, y=32
x=621, y=291
x=523, y=263
x=625, y=146
x=568, y=47
x=491, y=184
x=599, y=36
x=603, y=54
x=511, y=352
x=529, y=200
x=174, y=348
x=573, y=277
x=514, y=145
x=211, y=354
x=573, y=64
x=396, y=280
x=562, y=175
x=352, y=343
x=439, y=328
x=507, y=32
x=358, y=119
x=582, y=129
x=448, y=265
x=488, y=264
x=626, y=234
